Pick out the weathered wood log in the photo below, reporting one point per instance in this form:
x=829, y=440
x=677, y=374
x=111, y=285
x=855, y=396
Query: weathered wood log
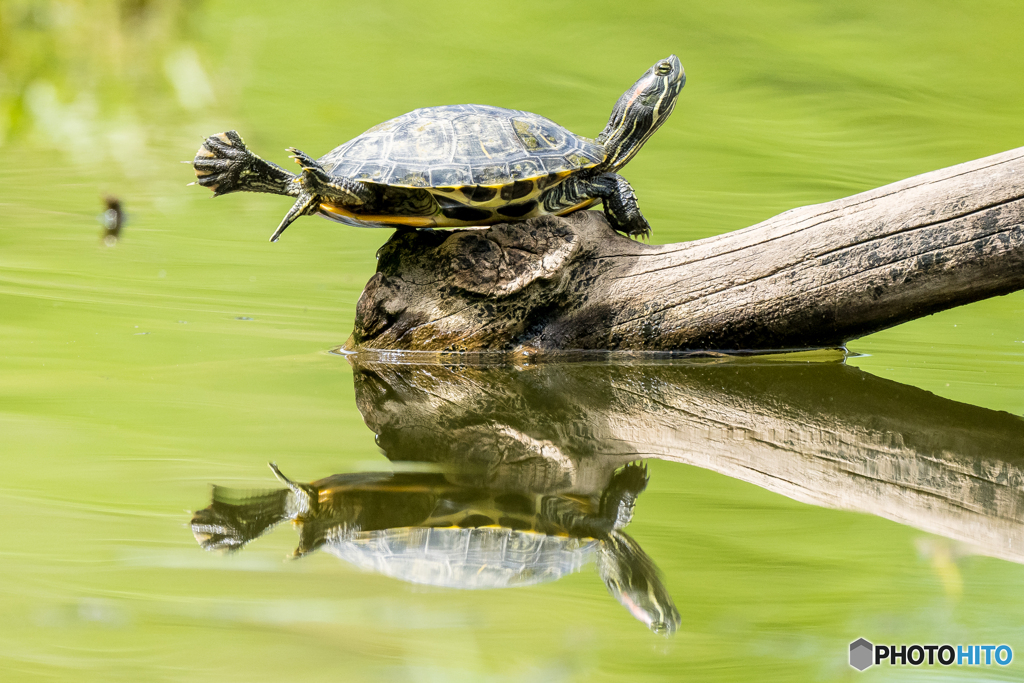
x=821, y=433
x=817, y=276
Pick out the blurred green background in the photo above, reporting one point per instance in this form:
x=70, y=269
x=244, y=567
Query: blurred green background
x=194, y=351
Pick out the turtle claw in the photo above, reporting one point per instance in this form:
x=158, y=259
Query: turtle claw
x=635, y=225
x=643, y=233
x=310, y=166
x=635, y=229
x=307, y=162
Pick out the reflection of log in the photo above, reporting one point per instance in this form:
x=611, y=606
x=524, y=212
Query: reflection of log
x=816, y=276
x=825, y=434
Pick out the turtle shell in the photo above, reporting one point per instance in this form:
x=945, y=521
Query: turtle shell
x=464, y=145
x=486, y=557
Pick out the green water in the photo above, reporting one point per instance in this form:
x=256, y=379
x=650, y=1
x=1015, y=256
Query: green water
x=194, y=352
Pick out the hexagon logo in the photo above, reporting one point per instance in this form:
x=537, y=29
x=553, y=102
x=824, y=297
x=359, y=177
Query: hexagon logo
x=861, y=654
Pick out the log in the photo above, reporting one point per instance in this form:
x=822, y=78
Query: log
x=812, y=277
x=821, y=433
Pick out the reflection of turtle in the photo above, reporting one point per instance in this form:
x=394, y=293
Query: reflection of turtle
x=421, y=528
x=460, y=165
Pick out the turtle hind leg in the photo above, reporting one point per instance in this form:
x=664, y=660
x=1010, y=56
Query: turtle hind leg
x=316, y=181
x=224, y=164
x=316, y=185
x=230, y=522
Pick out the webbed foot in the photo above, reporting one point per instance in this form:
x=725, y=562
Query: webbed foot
x=224, y=164
x=620, y=206
x=317, y=181
x=232, y=519
x=220, y=161
x=622, y=211
x=620, y=496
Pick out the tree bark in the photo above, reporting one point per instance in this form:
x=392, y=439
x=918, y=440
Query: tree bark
x=820, y=433
x=812, y=277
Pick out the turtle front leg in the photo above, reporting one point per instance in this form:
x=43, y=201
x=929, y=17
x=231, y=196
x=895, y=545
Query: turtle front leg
x=619, y=498
x=619, y=202
x=224, y=164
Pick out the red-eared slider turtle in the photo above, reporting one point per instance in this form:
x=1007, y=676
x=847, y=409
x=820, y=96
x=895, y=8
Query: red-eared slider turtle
x=422, y=528
x=460, y=165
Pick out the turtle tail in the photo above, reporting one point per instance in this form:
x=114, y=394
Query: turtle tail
x=305, y=205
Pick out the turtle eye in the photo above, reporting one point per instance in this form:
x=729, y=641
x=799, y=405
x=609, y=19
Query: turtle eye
x=663, y=68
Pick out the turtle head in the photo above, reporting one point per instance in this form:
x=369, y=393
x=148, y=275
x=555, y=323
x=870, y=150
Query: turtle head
x=632, y=579
x=640, y=111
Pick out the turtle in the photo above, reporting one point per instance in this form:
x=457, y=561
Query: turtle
x=460, y=165
x=422, y=528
